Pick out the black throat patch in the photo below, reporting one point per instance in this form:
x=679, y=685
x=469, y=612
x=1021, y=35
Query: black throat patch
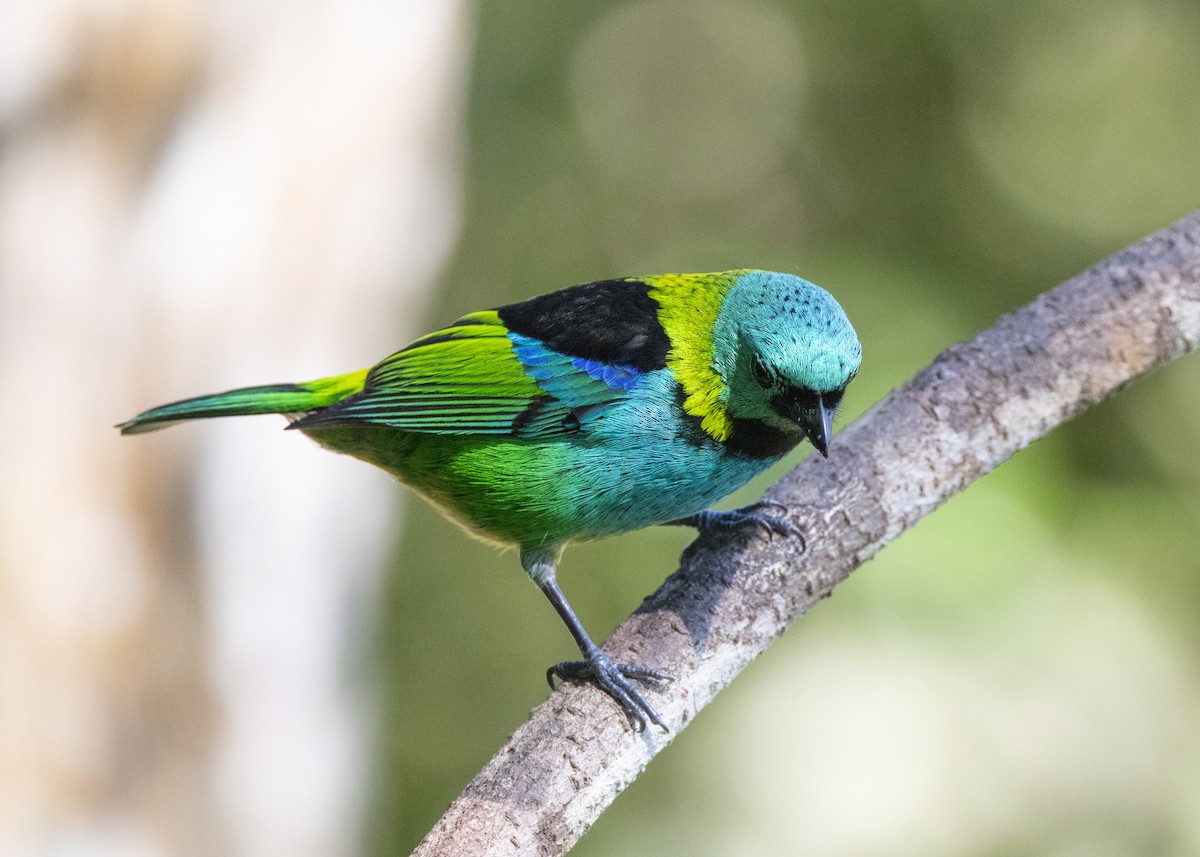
x=756, y=439
x=749, y=438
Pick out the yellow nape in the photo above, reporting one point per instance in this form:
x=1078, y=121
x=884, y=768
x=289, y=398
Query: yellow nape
x=688, y=309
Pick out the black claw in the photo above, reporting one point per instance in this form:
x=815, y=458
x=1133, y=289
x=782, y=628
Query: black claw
x=617, y=681
x=774, y=524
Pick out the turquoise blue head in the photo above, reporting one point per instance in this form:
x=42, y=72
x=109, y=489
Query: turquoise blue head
x=786, y=351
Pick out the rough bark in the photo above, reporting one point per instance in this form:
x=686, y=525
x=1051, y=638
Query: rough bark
x=971, y=409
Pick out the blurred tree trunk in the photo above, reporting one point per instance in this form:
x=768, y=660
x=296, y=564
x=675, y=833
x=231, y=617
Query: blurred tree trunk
x=193, y=197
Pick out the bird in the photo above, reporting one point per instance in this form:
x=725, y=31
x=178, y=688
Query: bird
x=590, y=411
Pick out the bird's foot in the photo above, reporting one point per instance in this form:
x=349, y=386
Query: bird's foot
x=617, y=680
x=756, y=514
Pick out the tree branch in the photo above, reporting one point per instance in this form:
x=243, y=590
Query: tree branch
x=971, y=409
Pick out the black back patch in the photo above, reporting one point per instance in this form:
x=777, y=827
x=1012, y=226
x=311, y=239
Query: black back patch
x=611, y=321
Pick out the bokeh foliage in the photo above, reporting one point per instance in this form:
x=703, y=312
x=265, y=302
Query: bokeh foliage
x=1017, y=675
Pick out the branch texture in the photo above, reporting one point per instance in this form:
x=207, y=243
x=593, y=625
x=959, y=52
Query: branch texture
x=971, y=409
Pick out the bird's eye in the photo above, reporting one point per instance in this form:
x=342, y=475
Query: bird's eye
x=760, y=372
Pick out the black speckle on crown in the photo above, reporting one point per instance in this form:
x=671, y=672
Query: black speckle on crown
x=611, y=321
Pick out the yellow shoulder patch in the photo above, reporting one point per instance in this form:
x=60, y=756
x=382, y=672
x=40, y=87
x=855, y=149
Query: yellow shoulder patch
x=688, y=308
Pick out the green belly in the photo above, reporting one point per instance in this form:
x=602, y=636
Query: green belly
x=504, y=490
x=548, y=492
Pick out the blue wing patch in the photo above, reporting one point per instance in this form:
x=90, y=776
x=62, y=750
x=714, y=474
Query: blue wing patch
x=575, y=381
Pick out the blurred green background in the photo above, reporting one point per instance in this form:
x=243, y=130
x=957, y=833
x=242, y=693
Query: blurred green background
x=1017, y=676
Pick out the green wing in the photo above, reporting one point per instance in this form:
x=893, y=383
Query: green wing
x=477, y=377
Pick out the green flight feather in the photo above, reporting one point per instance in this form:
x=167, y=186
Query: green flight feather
x=249, y=401
x=472, y=378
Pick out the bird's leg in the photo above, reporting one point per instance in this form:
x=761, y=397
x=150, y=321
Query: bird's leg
x=774, y=524
x=617, y=680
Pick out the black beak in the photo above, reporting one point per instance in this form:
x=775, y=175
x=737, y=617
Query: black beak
x=817, y=423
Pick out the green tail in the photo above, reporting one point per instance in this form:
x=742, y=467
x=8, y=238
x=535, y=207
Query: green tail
x=247, y=401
